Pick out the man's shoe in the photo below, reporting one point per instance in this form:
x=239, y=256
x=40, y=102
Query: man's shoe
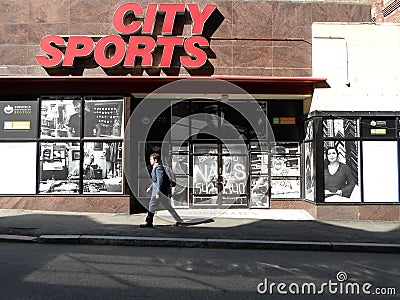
x=146, y=225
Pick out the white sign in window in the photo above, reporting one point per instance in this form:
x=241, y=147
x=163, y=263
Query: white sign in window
x=18, y=162
x=380, y=171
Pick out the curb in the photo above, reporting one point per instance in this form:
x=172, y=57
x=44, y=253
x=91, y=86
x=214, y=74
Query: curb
x=216, y=243
x=18, y=238
x=202, y=243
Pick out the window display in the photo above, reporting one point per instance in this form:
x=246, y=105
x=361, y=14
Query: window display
x=259, y=163
x=341, y=171
x=67, y=165
x=286, y=188
x=64, y=167
x=234, y=179
x=341, y=128
x=59, y=168
x=103, y=117
x=60, y=117
x=285, y=171
x=309, y=171
x=205, y=179
x=259, y=180
x=180, y=192
x=259, y=193
x=102, y=167
x=205, y=149
x=285, y=165
x=309, y=130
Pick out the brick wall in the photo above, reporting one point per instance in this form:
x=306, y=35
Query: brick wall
x=260, y=38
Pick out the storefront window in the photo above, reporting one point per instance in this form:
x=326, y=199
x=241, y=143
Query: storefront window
x=341, y=171
x=102, y=167
x=309, y=171
x=380, y=171
x=234, y=179
x=259, y=193
x=205, y=149
x=309, y=130
x=181, y=125
x=205, y=179
x=103, y=117
x=360, y=159
x=285, y=171
x=18, y=163
x=213, y=170
x=341, y=128
x=180, y=167
x=259, y=179
x=60, y=117
x=71, y=163
x=59, y=167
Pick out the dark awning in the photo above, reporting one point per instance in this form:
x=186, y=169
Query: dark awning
x=124, y=85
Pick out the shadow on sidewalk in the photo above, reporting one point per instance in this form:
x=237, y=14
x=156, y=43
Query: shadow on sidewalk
x=272, y=230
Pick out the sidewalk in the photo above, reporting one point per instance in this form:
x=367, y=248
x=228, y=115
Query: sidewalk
x=273, y=229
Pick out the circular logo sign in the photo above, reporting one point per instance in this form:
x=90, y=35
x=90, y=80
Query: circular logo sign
x=8, y=109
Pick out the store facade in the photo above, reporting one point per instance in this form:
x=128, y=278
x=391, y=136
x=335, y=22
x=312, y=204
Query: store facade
x=363, y=124
x=80, y=62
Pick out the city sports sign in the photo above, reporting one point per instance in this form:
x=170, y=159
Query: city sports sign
x=146, y=40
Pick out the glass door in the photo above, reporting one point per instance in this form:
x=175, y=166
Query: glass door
x=220, y=175
x=234, y=170
x=206, y=175
x=260, y=177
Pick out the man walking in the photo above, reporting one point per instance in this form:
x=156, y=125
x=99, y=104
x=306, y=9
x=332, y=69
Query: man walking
x=159, y=189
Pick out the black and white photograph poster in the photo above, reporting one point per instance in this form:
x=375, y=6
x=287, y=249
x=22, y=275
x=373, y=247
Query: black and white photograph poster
x=59, y=168
x=341, y=171
x=260, y=180
x=61, y=118
x=309, y=171
x=285, y=172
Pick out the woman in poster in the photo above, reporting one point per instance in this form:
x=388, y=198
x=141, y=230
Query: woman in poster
x=338, y=177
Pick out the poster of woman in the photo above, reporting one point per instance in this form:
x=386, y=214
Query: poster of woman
x=341, y=172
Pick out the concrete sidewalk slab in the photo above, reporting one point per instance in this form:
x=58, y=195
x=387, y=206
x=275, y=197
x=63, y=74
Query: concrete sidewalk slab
x=248, y=233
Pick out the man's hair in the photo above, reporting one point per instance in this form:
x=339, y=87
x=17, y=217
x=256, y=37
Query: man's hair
x=155, y=156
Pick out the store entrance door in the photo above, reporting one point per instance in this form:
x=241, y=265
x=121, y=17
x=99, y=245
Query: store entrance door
x=219, y=175
x=210, y=152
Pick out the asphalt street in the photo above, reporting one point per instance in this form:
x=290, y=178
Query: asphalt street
x=43, y=271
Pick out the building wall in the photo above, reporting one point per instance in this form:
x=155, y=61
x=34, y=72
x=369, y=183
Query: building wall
x=257, y=38
x=361, y=63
